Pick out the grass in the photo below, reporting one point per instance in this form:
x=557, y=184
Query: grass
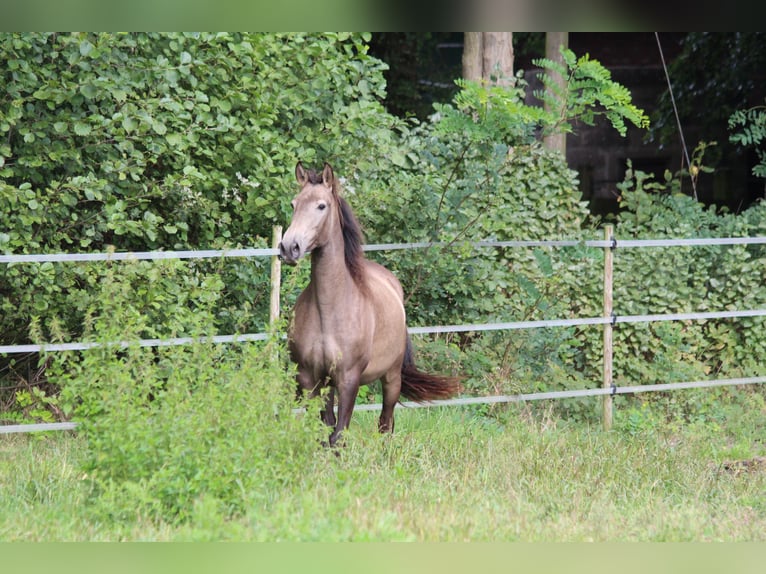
x=446, y=475
x=200, y=443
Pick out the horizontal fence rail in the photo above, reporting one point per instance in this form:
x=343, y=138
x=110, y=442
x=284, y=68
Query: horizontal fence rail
x=496, y=399
x=271, y=252
x=38, y=427
x=439, y=329
x=575, y=393
x=136, y=255
x=610, y=243
x=85, y=345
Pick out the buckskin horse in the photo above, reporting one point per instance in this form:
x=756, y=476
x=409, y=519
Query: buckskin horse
x=349, y=324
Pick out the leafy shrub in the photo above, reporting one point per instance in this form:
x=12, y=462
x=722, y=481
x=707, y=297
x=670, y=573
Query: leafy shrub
x=171, y=428
x=165, y=141
x=687, y=279
x=477, y=173
x=476, y=147
x=142, y=141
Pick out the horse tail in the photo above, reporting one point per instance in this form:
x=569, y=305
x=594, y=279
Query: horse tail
x=419, y=386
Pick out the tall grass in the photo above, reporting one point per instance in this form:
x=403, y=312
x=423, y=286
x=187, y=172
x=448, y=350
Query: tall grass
x=445, y=475
x=201, y=443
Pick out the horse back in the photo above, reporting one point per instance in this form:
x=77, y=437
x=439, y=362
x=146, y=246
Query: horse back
x=377, y=274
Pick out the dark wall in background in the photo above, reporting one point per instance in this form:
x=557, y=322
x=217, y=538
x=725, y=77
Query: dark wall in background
x=423, y=67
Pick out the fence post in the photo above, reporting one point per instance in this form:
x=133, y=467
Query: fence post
x=276, y=276
x=608, y=281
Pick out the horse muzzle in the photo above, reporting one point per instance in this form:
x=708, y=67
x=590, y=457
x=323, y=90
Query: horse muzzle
x=289, y=252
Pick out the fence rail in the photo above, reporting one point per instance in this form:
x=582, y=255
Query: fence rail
x=438, y=329
x=466, y=401
x=608, y=390
x=271, y=251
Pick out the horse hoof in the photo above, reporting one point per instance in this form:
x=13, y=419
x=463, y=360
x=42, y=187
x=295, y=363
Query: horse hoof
x=335, y=440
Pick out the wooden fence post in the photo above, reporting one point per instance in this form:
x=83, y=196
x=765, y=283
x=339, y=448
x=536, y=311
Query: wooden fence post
x=608, y=282
x=276, y=276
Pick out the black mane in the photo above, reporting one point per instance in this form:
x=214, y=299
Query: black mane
x=353, y=240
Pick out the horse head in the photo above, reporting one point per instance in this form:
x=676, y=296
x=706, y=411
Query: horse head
x=314, y=214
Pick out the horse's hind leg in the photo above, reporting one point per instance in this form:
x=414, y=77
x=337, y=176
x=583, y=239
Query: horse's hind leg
x=392, y=386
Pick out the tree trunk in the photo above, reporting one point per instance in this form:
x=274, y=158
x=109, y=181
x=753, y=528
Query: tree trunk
x=498, y=57
x=473, y=47
x=553, y=42
x=488, y=56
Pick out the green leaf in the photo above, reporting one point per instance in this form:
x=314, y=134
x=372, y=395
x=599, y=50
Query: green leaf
x=86, y=48
x=119, y=95
x=175, y=140
x=41, y=94
x=89, y=91
x=398, y=158
x=129, y=124
x=82, y=129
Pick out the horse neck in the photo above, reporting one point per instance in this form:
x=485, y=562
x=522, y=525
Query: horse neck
x=329, y=274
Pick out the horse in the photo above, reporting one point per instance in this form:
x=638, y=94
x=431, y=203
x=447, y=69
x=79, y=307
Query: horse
x=349, y=326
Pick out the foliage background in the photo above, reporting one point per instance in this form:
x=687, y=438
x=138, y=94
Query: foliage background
x=147, y=141
x=165, y=141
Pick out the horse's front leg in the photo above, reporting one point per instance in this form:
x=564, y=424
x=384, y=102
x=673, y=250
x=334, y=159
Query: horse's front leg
x=348, y=387
x=306, y=383
x=328, y=413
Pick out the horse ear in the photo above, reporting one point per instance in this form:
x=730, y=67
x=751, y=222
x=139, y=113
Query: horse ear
x=327, y=176
x=300, y=174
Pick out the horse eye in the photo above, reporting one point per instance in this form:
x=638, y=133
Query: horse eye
x=293, y=204
x=321, y=206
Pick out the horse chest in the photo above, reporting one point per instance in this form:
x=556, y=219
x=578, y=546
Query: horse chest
x=325, y=342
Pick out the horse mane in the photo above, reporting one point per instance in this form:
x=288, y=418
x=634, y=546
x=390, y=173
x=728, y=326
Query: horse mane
x=353, y=237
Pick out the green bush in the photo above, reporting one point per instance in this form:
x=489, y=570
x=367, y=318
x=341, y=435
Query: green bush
x=189, y=141
x=142, y=141
x=148, y=141
x=687, y=279
x=476, y=173
x=172, y=428
x=478, y=177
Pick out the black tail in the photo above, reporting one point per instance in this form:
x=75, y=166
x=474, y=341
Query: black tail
x=421, y=387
